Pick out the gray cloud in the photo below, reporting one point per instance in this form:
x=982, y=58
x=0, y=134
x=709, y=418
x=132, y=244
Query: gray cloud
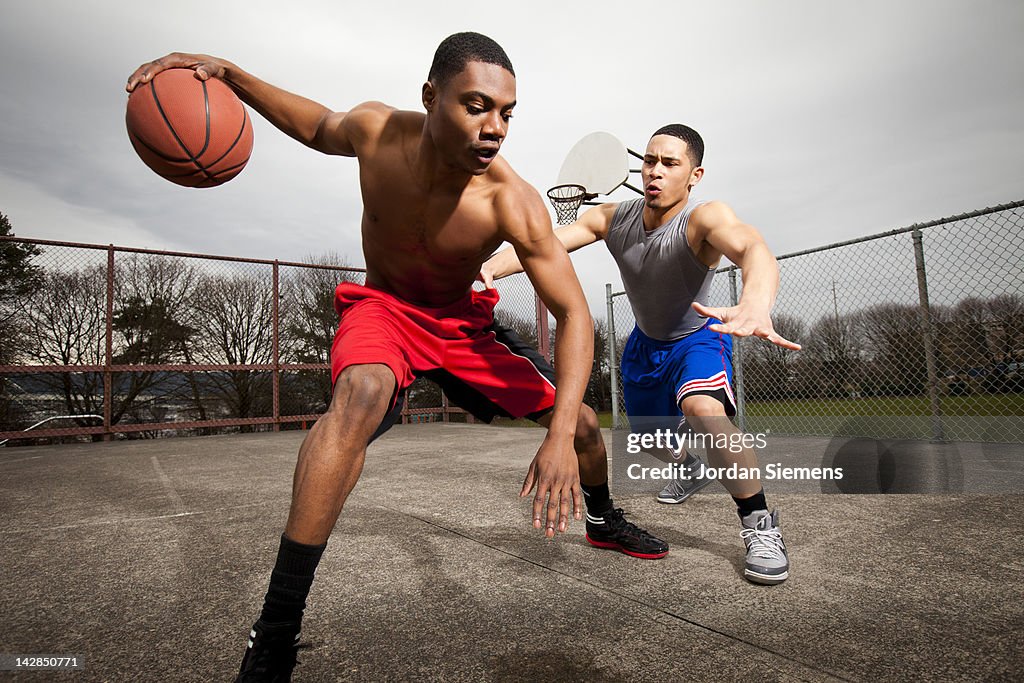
x=823, y=121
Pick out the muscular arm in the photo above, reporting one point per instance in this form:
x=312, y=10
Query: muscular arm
x=524, y=223
x=717, y=226
x=717, y=231
x=591, y=227
x=309, y=122
x=527, y=227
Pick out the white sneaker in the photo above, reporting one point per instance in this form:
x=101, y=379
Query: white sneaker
x=767, y=561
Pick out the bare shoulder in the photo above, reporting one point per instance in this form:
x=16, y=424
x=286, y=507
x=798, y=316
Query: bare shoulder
x=370, y=123
x=519, y=207
x=713, y=214
x=372, y=110
x=366, y=122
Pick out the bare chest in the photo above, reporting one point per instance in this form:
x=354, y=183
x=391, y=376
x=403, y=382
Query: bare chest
x=437, y=226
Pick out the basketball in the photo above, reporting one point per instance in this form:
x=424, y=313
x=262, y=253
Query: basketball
x=194, y=133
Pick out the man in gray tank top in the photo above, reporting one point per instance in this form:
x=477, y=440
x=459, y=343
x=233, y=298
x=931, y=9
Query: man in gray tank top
x=678, y=360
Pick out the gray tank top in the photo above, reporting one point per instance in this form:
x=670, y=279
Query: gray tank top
x=661, y=273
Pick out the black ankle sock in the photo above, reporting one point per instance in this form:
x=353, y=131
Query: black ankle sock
x=290, y=581
x=597, y=498
x=744, y=506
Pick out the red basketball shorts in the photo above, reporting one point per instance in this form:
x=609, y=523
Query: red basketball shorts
x=483, y=367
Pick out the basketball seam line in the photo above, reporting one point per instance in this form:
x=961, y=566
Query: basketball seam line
x=215, y=175
x=193, y=172
x=176, y=160
x=206, y=106
x=184, y=148
x=245, y=117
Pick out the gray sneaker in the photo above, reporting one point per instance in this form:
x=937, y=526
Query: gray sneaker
x=767, y=561
x=685, y=486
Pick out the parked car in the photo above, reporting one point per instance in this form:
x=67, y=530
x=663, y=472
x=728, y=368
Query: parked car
x=1005, y=377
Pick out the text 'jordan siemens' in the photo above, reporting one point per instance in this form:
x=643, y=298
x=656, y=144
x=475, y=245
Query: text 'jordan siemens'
x=770, y=471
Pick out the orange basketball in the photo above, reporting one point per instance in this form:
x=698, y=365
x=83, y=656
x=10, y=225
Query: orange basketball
x=194, y=133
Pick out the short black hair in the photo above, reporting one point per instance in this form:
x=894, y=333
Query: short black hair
x=459, y=49
x=693, y=140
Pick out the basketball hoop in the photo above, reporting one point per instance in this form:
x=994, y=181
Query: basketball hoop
x=567, y=200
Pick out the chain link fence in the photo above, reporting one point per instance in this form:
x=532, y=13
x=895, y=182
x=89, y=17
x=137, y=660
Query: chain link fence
x=102, y=340
x=914, y=333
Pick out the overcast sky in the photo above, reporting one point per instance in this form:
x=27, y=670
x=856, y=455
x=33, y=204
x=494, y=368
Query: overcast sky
x=822, y=120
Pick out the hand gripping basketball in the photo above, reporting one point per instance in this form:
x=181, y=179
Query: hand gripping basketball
x=185, y=124
x=204, y=66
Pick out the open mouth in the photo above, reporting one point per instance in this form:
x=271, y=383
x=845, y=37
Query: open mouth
x=486, y=154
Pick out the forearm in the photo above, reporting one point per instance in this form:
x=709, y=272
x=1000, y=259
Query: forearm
x=504, y=263
x=572, y=237
x=294, y=115
x=574, y=356
x=760, y=276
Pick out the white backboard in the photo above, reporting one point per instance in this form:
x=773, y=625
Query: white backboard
x=598, y=162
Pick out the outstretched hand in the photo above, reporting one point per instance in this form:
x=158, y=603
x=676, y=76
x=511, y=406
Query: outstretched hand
x=745, y=321
x=205, y=67
x=555, y=472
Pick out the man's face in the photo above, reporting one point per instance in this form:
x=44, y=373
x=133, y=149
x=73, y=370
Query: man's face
x=667, y=172
x=469, y=115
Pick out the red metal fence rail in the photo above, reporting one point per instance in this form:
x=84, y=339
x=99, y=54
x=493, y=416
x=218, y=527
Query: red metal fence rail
x=55, y=259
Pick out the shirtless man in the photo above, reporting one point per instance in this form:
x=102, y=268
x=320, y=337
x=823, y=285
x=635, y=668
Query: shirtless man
x=437, y=201
x=678, y=360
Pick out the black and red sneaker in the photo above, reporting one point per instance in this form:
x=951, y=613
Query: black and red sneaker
x=611, y=530
x=271, y=654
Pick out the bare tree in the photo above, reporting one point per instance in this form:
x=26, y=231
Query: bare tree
x=771, y=372
x=1006, y=312
x=894, y=349
x=152, y=300
x=234, y=326
x=963, y=333
x=65, y=317
x=308, y=324
x=833, y=351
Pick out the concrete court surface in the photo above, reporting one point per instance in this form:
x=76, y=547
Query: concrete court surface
x=149, y=559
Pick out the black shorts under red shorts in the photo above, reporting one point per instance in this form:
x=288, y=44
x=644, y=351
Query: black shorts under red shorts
x=483, y=367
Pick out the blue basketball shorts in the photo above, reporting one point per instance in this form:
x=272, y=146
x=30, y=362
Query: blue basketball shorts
x=658, y=375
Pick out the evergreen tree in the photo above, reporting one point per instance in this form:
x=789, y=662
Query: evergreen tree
x=18, y=277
